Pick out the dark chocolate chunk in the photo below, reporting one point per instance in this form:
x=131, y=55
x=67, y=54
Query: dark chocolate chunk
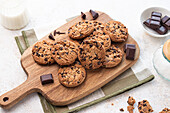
x=162, y=30
x=147, y=22
x=83, y=16
x=51, y=37
x=167, y=24
x=58, y=32
x=94, y=14
x=129, y=45
x=130, y=53
x=155, y=18
x=46, y=79
x=156, y=14
x=164, y=19
x=154, y=24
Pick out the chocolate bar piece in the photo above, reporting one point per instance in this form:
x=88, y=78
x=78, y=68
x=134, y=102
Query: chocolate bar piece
x=147, y=22
x=167, y=24
x=162, y=30
x=156, y=18
x=51, y=37
x=129, y=45
x=46, y=79
x=164, y=19
x=83, y=16
x=156, y=14
x=94, y=14
x=130, y=53
x=154, y=24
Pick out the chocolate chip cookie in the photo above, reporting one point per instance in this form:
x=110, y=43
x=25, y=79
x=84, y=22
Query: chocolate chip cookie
x=91, y=54
x=81, y=29
x=117, y=31
x=41, y=52
x=64, y=52
x=144, y=107
x=113, y=57
x=72, y=76
x=165, y=110
x=103, y=39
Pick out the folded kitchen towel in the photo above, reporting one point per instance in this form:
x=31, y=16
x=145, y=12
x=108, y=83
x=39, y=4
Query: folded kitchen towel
x=131, y=78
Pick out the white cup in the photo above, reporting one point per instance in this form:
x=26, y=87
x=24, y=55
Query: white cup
x=13, y=14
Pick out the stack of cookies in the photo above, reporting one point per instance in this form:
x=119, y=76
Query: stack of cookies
x=95, y=50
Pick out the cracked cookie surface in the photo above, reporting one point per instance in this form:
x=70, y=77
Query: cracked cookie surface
x=113, y=57
x=41, y=53
x=64, y=52
x=81, y=29
x=117, y=31
x=73, y=75
x=91, y=54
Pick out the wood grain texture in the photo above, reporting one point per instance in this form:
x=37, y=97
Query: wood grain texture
x=55, y=93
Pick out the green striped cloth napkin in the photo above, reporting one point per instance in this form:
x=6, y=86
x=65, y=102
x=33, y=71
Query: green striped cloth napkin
x=131, y=78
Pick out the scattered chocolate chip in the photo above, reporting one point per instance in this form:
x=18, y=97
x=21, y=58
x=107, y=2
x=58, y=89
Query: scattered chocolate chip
x=94, y=14
x=45, y=59
x=51, y=37
x=46, y=79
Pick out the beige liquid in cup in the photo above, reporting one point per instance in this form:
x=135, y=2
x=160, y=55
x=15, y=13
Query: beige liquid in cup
x=13, y=14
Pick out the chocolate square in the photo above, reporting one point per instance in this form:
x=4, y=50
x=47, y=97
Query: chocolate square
x=156, y=14
x=155, y=18
x=154, y=24
x=167, y=24
x=164, y=19
x=130, y=53
x=46, y=79
x=147, y=22
x=129, y=45
x=162, y=30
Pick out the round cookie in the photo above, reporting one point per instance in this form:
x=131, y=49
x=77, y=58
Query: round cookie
x=104, y=39
x=91, y=54
x=41, y=52
x=64, y=52
x=81, y=29
x=117, y=31
x=113, y=57
x=72, y=76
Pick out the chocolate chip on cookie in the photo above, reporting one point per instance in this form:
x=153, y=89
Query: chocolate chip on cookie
x=64, y=52
x=144, y=107
x=103, y=39
x=117, y=31
x=98, y=27
x=91, y=54
x=41, y=53
x=73, y=75
x=81, y=29
x=113, y=57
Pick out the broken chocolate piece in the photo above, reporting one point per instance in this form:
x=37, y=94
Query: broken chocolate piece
x=121, y=109
x=164, y=19
x=147, y=22
x=51, y=37
x=162, y=30
x=94, y=14
x=154, y=24
x=129, y=45
x=83, y=16
x=156, y=14
x=46, y=79
x=167, y=24
x=130, y=53
x=156, y=18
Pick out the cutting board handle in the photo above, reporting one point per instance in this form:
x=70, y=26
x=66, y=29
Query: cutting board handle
x=13, y=96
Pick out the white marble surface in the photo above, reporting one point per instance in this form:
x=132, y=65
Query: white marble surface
x=48, y=12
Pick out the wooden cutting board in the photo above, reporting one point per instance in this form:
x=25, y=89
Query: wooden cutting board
x=55, y=93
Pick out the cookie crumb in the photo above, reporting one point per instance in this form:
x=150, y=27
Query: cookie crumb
x=165, y=110
x=130, y=108
x=131, y=101
x=121, y=109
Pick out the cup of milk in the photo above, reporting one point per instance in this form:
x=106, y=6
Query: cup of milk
x=13, y=14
